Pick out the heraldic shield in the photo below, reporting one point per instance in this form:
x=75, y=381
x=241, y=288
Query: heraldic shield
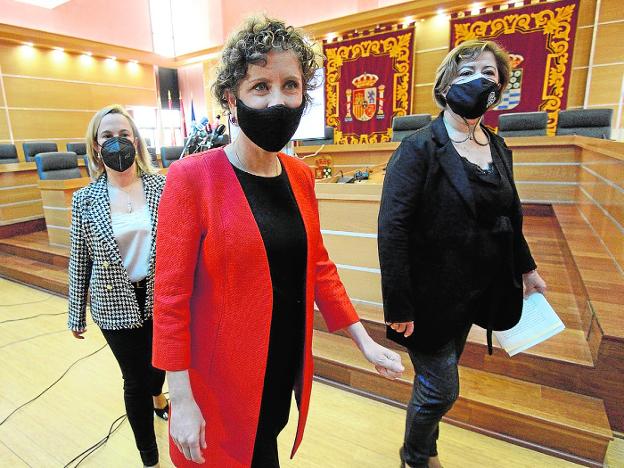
x=512, y=93
x=362, y=101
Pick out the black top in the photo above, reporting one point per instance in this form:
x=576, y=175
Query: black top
x=439, y=225
x=275, y=210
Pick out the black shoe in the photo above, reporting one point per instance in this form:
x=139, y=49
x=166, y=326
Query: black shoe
x=162, y=413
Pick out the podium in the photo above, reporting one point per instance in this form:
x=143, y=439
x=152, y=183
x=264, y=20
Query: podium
x=56, y=196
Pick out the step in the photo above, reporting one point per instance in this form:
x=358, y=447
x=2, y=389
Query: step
x=34, y=273
x=569, y=346
x=35, y=246
x=561, y=423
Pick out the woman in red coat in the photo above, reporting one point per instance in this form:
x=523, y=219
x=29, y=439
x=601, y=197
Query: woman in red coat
x=240, y=263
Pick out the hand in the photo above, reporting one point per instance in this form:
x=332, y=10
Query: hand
x=407, y=328
x=188, y=429
x=386, y=362
x=78, y=334
x=533, y=282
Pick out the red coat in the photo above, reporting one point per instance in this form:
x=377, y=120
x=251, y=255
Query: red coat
x=213, y=299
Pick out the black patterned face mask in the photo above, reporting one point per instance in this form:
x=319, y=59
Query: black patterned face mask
x=269, y=128
x=118, y=153
x=471, y=99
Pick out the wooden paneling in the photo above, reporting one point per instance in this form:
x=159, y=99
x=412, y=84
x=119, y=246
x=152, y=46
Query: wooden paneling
x=609, y=197
x=576, y=91
x=609, y=168
x=432, y=33
x=350, y=250
x=582, y=47
x=543, y=154
x=58, y=235
x=426, y=64
x=25, y=92
x=19, y=194
x=362, y=285
x=587, y=11
x=37, y=125
x=4, y=127
x=546, y=173
x=608, y=43
x=349, y=215
x=606, y=83
x=610, y=10
x=46, y=63
x=531, y=192
x=608, y=231
x=10, y=214
x=423, y=101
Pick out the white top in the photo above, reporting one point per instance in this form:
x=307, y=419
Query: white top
x=132, y=227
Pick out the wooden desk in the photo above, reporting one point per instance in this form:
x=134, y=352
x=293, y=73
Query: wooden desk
x=57, y=199
x=20, y=199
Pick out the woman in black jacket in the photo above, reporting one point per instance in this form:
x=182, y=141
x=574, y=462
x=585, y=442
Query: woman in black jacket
x=451, y=247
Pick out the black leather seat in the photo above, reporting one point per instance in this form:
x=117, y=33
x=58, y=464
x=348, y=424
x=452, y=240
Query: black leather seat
x=8, y=154
x=408, y=124
x=57, y=166
x=77, y=147
x=168, y=154
x=587, y=122
x=33, y=148
x=522, y=124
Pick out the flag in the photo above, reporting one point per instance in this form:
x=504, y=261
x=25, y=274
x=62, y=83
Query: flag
x=183, y=117
x=192, y=111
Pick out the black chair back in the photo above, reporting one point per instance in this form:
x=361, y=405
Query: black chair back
x=8, y=154
x=33, y=148
x=406, y=125
x=57, y=166
x=168, y=154
x=521, y=124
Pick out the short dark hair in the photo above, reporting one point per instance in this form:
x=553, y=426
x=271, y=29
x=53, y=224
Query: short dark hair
x=251, y=44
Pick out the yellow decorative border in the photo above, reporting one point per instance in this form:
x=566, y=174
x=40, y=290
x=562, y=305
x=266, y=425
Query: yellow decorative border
x=555, y=24
x=398, y=49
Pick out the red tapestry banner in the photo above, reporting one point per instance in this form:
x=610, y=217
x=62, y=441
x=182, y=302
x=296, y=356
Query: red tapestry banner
x=540, y=40
x=368, y=81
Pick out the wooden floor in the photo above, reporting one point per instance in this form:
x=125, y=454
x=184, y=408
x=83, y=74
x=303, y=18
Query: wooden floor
x=345, y=430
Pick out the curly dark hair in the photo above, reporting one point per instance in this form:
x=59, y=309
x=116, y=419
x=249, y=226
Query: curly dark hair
x=251, y=44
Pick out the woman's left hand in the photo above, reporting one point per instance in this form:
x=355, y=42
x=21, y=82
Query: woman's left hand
x=533, y=282
x=386, y=362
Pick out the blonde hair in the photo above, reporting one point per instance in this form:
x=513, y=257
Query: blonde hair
x=447, y=71
x=96, y=165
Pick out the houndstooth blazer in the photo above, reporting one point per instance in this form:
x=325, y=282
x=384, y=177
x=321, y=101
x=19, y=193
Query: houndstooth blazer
x=95, y=263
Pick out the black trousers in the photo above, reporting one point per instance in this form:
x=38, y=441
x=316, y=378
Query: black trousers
x=132, y=347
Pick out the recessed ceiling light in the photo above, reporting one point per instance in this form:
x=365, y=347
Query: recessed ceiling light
x=44, y=3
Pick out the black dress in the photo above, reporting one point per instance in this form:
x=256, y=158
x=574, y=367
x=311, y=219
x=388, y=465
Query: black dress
x=494, y=197
x=275, y=210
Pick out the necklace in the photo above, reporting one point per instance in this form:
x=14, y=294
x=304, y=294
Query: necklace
x=245, y=167
x=471, y=133
x=127, y=192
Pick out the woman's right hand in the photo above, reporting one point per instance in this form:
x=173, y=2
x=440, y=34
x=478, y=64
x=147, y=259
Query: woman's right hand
x=78, y=334
x=188, y=428
x=406, y=328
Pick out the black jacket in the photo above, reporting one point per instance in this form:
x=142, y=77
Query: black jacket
x=430, y=243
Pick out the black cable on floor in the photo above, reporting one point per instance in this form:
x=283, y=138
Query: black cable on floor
x=27, y=303
x=100, y=443
x=64, y=330
x=51, y=385
x=31, y=317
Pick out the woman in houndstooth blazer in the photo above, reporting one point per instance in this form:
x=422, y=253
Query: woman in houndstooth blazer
x=112, y=257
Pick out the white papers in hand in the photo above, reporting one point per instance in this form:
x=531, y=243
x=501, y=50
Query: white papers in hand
x=538, y=323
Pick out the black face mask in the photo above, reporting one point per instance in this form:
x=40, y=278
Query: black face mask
x=472, y=98
x=269, y=128
x=118, y=153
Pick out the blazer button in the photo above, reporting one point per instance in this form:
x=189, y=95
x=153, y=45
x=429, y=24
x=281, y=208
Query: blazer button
x=109, y=287
x=105, y=264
